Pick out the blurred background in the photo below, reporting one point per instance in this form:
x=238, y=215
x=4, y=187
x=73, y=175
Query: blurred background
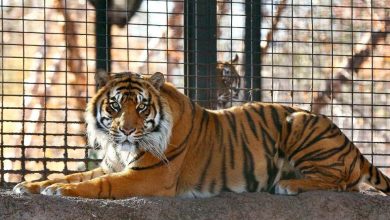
x=327, y=56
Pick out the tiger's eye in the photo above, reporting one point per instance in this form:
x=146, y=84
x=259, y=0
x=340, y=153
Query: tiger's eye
x=141, y=106
x=115, y=105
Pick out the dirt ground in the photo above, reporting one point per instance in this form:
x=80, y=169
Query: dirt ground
x=313, y=205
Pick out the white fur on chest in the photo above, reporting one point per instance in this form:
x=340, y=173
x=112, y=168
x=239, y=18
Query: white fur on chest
x=117, y=159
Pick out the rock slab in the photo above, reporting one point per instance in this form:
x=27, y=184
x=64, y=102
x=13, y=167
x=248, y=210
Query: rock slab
x=311, y=205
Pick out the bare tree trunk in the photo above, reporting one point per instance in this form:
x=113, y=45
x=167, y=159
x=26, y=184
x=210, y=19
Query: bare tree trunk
x=333, y=87
x=175, y=50
x=222, y=8
x=342, y=77
x=34, y=107
x=74, y=59
x=275, y=22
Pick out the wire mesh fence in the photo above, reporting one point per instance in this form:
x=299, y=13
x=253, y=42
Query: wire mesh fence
x=330, y=57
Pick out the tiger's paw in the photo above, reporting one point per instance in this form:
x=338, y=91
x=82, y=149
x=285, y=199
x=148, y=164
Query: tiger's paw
x=283, y=188
x=28, y=188
x=57, y=189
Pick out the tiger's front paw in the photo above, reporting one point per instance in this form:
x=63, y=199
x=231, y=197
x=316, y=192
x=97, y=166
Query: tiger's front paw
x=284, y=188
x=58, y=189
x=29, y=187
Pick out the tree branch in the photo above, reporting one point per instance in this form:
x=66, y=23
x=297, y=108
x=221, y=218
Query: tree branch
x=333, y=87
x=275, y=22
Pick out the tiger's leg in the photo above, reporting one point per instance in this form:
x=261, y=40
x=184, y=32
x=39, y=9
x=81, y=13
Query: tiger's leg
x=37, y=187
x=118, y=185
x=295, y=186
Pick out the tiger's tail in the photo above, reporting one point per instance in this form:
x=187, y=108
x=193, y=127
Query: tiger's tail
x=373, y=176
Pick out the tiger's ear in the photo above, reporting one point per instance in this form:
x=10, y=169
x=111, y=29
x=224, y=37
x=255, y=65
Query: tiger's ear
x=235, y=59
x=157, y=80
x=101, y=78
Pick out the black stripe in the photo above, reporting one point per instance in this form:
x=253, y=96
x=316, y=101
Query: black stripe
x=304, y=169
x=232, y=123
x=251, y=123
x=271, y=172
x=378, y=180
x=318, y=155
x=122, y=88
x=248, y=169
x=137, y=157
x=135, y=90
x=219, y=132
x=347, y=152
x=298, y=149
x=352, y=166
x=288, y=109
x=314, y=120
x=327, y=174
x=276, y=119
x=160, y=163
x=260, y=111
x=129, y=80
x=386, y=179
x=232, y=136
x=269, y=148
x=203, y=123
x=313, y=141
x=201, y=181
x=231, y=145
x=363, y=161
x=95, y=110
x=353, y=183
x=223, y=172
x=371, y=172
x=189, y=134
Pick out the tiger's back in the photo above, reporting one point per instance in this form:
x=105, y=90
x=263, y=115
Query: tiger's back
x=270, y=147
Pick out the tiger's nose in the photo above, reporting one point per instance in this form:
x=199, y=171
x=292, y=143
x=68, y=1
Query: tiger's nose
x=127, y=131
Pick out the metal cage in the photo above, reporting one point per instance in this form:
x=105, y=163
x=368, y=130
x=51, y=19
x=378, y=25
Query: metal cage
x=329, y=57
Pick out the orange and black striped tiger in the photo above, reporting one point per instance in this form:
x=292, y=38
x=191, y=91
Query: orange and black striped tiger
x=157, y=142
x=228, y=84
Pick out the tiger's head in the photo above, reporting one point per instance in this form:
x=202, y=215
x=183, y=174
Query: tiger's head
x=129, y=113
x=228, y=83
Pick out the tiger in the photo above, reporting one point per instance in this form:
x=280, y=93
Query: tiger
x=228, y=84
x=157, y=142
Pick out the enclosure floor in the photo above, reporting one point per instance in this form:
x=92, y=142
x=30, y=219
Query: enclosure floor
x=314, y=205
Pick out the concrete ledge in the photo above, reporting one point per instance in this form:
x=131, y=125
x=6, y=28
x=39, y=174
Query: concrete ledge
x=313, y=205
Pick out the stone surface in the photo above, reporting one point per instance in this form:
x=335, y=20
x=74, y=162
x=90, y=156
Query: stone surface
x=313, y=205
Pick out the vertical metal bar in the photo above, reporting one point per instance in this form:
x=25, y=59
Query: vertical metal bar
x=66, y=155
x=201, y=50
x=352, y=71
x=2, y=98
x=189, y=36
x=23, y=147
x=45, y=174
x=147, y=37
x=252, y=50
x=372, y=83
x=102, y=38
x=87, y=147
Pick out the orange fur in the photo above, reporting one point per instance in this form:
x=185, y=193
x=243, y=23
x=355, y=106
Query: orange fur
x=254, y=147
